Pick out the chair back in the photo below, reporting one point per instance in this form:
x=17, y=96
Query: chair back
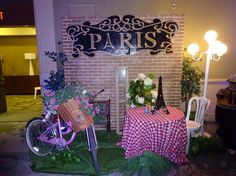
x=202, y=104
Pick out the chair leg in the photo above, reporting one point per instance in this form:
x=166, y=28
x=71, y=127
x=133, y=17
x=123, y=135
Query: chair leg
x=35, y=93
x=36, y=89
x=108, y=127
x=188, y=143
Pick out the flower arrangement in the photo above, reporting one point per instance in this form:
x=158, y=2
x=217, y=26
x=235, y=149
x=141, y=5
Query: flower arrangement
x=57, y=91
x=141, y=90
x=52, y=99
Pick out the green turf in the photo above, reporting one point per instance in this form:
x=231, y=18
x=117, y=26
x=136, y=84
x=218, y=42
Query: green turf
x=110, y=157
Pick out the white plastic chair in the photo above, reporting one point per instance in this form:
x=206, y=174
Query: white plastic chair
x=35, y=91
x=196, y=125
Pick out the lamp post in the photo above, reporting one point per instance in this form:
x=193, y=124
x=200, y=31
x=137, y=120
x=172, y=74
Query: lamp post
x=214, y=52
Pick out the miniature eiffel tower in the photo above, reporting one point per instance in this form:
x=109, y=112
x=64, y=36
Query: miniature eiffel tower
x=160, y=103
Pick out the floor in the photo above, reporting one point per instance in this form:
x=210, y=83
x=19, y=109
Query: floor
x=21, y=108
x=14, y=159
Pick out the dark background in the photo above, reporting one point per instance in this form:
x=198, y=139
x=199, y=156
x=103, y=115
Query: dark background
x=17, y=12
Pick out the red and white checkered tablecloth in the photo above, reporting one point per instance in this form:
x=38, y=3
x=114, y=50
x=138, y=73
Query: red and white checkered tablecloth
x=165, y=135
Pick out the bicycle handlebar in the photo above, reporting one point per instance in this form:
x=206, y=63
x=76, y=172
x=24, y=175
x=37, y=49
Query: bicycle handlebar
x=93, y=98
x=99, y=92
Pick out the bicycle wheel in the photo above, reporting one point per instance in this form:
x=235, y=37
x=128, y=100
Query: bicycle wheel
x=93, y=147
x=34, y=129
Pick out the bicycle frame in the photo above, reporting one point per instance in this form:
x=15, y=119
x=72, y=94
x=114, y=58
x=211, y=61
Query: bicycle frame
x=54, y=128
x=54, y=135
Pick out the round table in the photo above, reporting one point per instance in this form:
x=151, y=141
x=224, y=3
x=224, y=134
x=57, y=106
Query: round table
x=165, y=135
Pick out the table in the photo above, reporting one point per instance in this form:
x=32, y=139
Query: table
x=165, y=135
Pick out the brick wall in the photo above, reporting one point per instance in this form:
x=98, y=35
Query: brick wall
x=98, y=72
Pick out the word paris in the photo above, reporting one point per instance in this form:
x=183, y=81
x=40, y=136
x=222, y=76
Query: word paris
x=122, y=36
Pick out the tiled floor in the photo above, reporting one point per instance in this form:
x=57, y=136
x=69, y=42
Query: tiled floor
x=21, y=108
x=14, y=159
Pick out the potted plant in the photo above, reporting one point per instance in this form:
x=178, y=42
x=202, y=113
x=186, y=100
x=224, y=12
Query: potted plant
x=191, y=80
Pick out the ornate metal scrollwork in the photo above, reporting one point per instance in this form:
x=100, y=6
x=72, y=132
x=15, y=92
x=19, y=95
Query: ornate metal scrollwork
x=122, y=36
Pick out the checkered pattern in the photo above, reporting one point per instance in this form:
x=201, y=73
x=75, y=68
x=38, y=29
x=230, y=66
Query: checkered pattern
x=165, y=135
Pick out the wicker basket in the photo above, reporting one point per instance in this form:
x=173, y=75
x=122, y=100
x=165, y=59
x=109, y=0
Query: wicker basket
x=70, y=112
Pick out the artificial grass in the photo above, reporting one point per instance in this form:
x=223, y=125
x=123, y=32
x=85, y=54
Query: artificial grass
x=110, y=157
x=204, y=145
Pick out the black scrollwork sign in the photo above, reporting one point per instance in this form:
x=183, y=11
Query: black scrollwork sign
x=122, y=36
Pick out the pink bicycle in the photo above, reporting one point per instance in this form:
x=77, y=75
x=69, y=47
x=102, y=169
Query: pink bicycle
x=43, y=134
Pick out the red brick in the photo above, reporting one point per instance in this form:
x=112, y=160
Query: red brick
x=99, y=71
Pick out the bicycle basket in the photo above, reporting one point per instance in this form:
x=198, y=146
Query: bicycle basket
x=70, y=112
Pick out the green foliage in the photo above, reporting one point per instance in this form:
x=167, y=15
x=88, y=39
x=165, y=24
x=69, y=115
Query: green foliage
x=56, y=80
x=151, y=76
x=191, y=79
x=204, y=145
x=110, y=157
x=53, y=99
x=66, y=156
x=141, y=88
x=69, y=91
x=146, y=165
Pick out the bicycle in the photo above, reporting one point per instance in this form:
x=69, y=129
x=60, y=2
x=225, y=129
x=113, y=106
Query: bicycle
x=43, y=134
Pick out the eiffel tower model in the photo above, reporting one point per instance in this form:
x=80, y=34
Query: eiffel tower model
x=160, y=103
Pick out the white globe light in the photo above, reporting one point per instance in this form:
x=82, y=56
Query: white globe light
x=214, y=47
x=222, y=49
x=193, y=49
x=217, y=47
x=210, y=36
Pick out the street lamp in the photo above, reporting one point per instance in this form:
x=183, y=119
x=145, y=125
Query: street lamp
x=215, y=50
